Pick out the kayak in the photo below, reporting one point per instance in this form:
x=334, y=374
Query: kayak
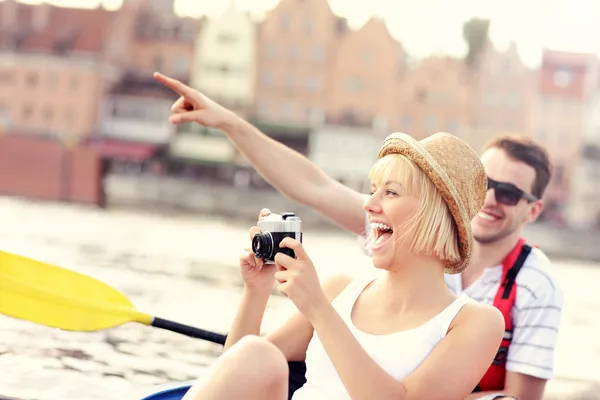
x=176, y=390
x=169, y=391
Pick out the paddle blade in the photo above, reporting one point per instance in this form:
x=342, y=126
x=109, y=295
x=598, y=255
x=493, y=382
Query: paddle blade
x=61, y=298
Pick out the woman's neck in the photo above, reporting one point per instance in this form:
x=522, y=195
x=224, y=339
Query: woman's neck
x=414, y=281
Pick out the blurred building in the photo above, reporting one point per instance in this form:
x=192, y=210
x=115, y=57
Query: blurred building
x=503, y=89
x=346, y=153
x=301, y=75
x=564, y=88
x=296, y=46
x=584, y=197
x=223, y=67
x=133, y=121
x=161, y=40
x=224, y=60
x=434, y=96
x=365, y=67
x=53, y=69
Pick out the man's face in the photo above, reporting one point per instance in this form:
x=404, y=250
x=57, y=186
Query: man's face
x=496, y=221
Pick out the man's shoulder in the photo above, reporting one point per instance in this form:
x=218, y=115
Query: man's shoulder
x=537, y=277
x=537, y=269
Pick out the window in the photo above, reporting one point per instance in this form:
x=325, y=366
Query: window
x=227, y=38
x=157, y=62
x=317, y=53
x=421, y=95
x=294, y=52
x=354, y=84
x=563, y=77
x=267, y=78
x=314, y=115
x=308, y=26
x=6, y=77
x=513, y=100
x=69, y=116
x=452, y=127
x=52, y=79
x=367, y=56
x=263, y=108
x=48, y=114
x=27, y=111
x=284, y=22
x=287, y=110
x=145, y=111
x=74, y=82
x=313, y=83
x=32, y=79
x=430, y=123
x=186, y=32
x=180, y=65
x=224, y=69
x=490, y=99
x=289, y=81
x=271, y=51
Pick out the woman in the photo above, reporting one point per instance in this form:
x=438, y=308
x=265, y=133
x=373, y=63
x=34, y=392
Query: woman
x=401, y=334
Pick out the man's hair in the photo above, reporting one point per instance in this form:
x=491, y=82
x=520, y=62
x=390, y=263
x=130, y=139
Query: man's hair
x=527, y=151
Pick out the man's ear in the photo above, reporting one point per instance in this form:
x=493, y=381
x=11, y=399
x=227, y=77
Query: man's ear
x=535, y=210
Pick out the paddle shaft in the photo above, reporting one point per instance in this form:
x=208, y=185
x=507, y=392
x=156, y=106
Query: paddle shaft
x=189, y=330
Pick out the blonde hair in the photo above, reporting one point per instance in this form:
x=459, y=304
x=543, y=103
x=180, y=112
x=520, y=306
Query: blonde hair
x=431, y=229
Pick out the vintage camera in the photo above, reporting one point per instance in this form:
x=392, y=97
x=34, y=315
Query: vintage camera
x=273, y=228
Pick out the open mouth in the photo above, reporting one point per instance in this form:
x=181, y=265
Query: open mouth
x=381, y=233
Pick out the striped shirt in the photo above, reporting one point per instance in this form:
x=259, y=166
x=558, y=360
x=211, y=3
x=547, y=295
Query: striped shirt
x=536, y=313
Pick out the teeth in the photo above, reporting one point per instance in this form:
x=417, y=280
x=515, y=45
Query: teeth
x=485, y=216
x=380, y=227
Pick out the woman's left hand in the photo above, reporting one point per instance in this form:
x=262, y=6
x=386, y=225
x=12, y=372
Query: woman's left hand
x=298, y=279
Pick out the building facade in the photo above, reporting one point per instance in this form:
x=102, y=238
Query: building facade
x=223, y=66
x=295, y=47
x=564, y=86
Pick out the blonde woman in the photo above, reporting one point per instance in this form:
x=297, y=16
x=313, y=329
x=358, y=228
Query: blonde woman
x=398, y=334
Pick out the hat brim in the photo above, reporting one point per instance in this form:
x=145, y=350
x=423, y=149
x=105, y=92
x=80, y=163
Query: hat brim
x=406, y=145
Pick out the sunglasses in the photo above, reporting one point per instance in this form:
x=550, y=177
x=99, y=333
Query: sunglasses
x=508, y=194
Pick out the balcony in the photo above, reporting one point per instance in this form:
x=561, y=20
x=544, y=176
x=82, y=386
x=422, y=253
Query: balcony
x=134, y=118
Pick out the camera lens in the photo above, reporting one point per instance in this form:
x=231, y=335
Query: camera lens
x=262, y=245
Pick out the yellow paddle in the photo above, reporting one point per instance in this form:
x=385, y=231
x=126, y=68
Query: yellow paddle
x=60, y=298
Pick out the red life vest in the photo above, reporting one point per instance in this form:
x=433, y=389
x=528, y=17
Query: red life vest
x=504, y=301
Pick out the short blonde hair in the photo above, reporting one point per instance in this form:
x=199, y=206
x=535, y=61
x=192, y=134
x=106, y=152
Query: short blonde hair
x=431, y=229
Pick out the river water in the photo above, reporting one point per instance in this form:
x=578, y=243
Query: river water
x=185, y=269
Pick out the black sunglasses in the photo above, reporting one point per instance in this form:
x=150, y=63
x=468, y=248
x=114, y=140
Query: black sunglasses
x=508, y=194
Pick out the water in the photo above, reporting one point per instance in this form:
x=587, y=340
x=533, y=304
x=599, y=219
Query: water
x=185, y=269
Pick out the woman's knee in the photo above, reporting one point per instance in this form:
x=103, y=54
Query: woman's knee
x=260, y=354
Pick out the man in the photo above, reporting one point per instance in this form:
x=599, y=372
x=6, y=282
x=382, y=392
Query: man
x=519, y=171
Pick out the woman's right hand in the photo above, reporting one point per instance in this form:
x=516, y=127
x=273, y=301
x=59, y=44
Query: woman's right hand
x=257, y=275
x=193, y=106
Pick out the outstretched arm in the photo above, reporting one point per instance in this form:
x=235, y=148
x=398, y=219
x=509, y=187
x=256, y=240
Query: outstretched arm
x=297, y=177
x=288, y=171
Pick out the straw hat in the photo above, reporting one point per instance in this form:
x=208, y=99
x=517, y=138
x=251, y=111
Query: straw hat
x=458, y=174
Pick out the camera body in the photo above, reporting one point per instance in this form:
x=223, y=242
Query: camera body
x=273, y=228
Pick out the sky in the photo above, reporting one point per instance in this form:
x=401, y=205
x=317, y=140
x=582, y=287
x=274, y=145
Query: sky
x=433, y=27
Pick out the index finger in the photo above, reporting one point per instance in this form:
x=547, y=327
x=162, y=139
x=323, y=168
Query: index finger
x=295, y=245
x=253, y=231
x=173, y=84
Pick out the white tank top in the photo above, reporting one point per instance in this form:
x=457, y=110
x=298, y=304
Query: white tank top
x=398, y=353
